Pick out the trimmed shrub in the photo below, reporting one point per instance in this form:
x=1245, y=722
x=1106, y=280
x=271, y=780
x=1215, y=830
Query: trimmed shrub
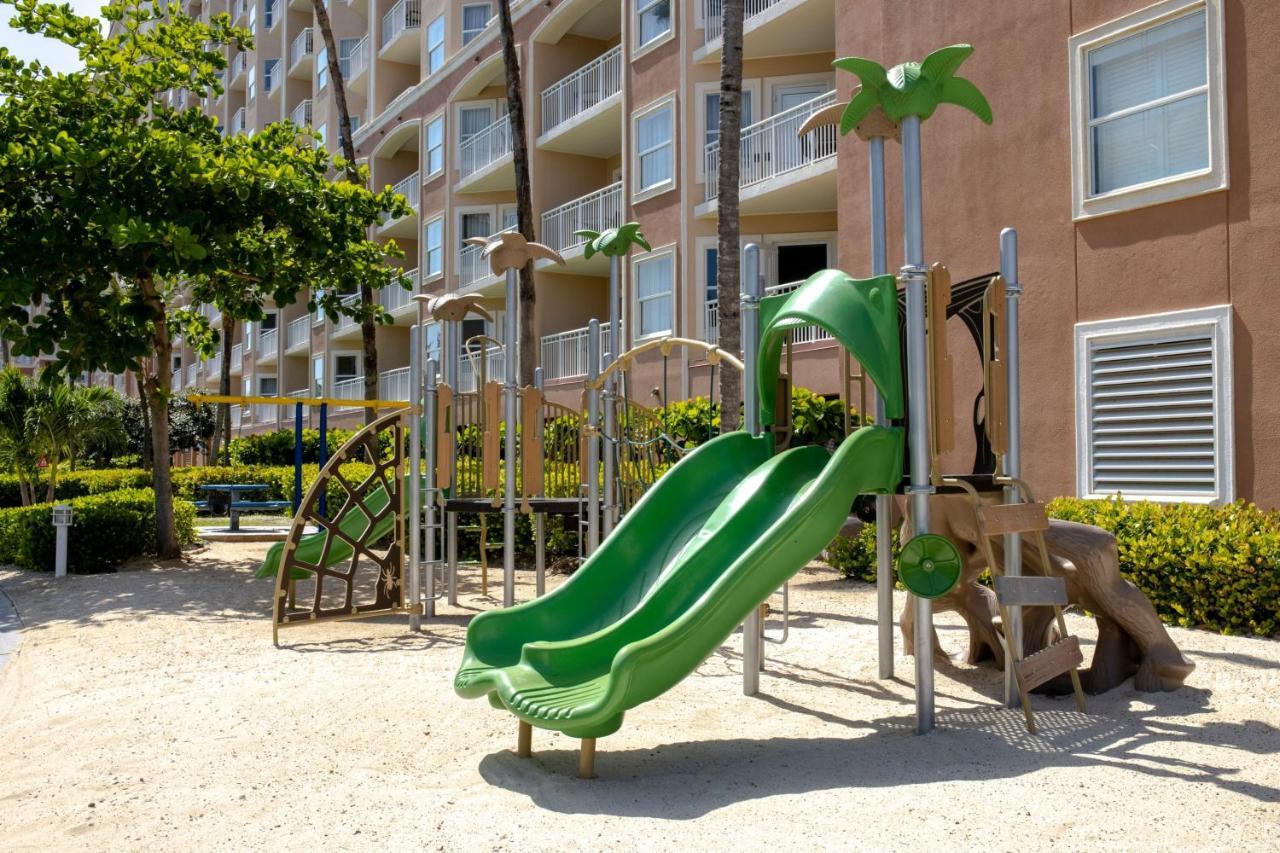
x=106, y=530
x=855, y=558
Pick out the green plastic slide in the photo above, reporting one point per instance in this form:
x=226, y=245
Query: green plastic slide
x=353, y=523
x=673, y=580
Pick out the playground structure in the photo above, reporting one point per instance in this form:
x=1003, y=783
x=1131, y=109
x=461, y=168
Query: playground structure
x=674, y=564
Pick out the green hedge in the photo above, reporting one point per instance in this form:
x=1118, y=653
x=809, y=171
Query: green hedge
x=1216, y=568
x=106, y=530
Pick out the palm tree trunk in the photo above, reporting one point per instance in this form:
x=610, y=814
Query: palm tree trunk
x=368, y=328
x=223, y=428
x=527, y=345
x=157, y=401
x=728, y=253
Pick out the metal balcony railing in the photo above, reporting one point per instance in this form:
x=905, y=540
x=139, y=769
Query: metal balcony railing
x=213, y=368
x=469, y=365
x=238, y=65
x=597, y=211
x=238, y=121
x=235, y=417
x=564, y=354
x=193, y=371
x=772, y=147
x=713, y=12
x=302, y=113
x=302, y=47
x=298, y=332
x=410, y=187
x=598, y=80
x=394, y=384
x=405, y=15
x=802, y=335
x=487, y=146
x=345, y=322
x=394, y=298
x=267, y=341
x=357, y=61
x=237, y=358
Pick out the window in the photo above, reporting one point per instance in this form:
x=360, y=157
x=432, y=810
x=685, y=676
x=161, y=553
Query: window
x=318, y=317
x=267, y=386
x=268, y=322
x=474, y=225
x=253, y=82
x=653, y=20
x=653, y=281
x=269, y=13
x=317, y=376
x=322, y=68
x=1154, y=407
x=346, y=48
x=472, y=120
x=345, y=367
x=269, y=70
x=435, y=145
x=711, y=103
x=1148, y=114
x=253, y=19
x=432, y=336
x=474, y=19
x=654, y=161
x=435, y=45
x=433, y=259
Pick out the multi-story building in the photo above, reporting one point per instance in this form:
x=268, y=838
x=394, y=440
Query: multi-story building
x=1130, y=149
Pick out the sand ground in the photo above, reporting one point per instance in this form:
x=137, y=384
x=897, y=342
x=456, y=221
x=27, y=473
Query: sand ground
x=148, y=709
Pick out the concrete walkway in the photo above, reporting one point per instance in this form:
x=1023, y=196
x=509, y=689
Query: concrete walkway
x=10, y=630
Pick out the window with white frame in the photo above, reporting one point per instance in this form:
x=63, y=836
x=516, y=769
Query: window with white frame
x=474, y=224
x=475, y=17
x=269, y=68
x=1154, y=407
x=435, y=146
x=317, y=376
x=345, y=366
x=653, y=20
x=346, y=49
x=654, y=280
x=711, y=115
x=269, y=13
x=253, y=20
x=435, y=45
x=268, y=386
x=322, y=68
x=472, y=119
x=252, y=84
x=433, y=257
x=655, y=162
x=1148, y=108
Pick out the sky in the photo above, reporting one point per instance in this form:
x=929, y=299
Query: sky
x=50, y=52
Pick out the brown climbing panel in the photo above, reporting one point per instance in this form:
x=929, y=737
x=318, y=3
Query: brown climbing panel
x=492, y=435
x=531, y=479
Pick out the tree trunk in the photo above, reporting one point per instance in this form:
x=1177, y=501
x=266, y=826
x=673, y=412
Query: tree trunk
x=148, y=457
x=224, y=388
x=157, y=400
x=527, y=345
x=728, y=255
x=369, y=337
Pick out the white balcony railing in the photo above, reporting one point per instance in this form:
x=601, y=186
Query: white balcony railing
x=405, y=15
x=410, y=187
x=265, y=412
x=238, y=65
x=302, y=47
x=487, y=146
x=237, y=358
x=597, y=211
x=772, y=147
x=357, y=61
x=598, y=80
x=469, y=366
x=394, y=384
x=193, y=371
x=564, y=354
x=213, y=368
x=267, y=341
x=802, y=335
x=349, y=389
x=394, y=298
x=345, y=322
x=298, y=332
x=238, y=123
x=302, y=113
x=713, y=12
x=235, y=417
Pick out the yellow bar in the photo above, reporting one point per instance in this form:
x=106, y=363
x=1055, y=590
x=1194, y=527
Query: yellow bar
x=306, y=401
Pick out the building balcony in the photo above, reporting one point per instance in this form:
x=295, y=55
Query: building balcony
x=347, y=327
x=582, y=114
x=237, y=359
x=238, y=122
x=476, y=363
x=474, y=273
x=597, y=211
x=193, y=374
x=398, y=302
x=297, y=336
x=238, y=8
x=410, y=186
x=302, y=54
x=564, y=354
x=394, y=385
x=302, y=113
x=400, y=26
x=213, y=368
x=239, y=63
x=710, y=330
x=771, y=28
x=356, y=63
x=484, y=160
x=268, y=341
x=236, y=418
x=781, y=172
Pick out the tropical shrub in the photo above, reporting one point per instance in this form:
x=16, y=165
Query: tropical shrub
x=106, y=530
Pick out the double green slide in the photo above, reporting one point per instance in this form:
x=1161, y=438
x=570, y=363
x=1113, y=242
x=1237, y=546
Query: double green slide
x=709, y=542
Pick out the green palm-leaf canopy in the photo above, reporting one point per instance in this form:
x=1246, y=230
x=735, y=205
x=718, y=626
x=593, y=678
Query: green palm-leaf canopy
x=912, y=88
x=613, y=242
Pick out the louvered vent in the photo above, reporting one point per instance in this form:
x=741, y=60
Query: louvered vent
x=1153, y=417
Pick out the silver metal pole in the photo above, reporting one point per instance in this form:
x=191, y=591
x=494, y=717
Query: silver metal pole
x=752, y=289
x=884, y=509
x=1013, y=456
x=915, y=275
x=539, y=527
x=593, y=444
x=452, y=342
x=510, y=392
x=608, y=444
x=414, y=531
x=429, y=415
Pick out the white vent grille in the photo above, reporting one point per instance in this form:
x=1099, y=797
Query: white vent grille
x=1156, y=412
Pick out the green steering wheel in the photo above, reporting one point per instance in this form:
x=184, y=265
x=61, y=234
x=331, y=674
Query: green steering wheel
x=929, y=565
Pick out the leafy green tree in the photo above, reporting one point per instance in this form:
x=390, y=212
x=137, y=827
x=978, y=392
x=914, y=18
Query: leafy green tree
x=117, y=207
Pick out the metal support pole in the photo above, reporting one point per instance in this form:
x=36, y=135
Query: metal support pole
x=451, y=340
x=429, y=415
x=511, y=393
x=593, y=444
x=915, y=274
x=539, y=527
x=608, y=446
x=752, y=290
x=1013, y=455
x=414, y=531
x=884, y=509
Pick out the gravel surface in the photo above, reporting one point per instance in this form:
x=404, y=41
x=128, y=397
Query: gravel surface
x=149, y=708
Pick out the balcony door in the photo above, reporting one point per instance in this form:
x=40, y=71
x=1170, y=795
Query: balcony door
x=795, y=262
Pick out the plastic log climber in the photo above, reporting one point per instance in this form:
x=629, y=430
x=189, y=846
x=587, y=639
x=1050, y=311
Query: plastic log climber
x=702, y=549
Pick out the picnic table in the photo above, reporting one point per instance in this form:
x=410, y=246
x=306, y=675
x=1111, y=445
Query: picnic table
x=235, y=507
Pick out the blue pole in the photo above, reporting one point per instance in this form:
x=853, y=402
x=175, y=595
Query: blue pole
x=324, y=453
x=297, y=456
